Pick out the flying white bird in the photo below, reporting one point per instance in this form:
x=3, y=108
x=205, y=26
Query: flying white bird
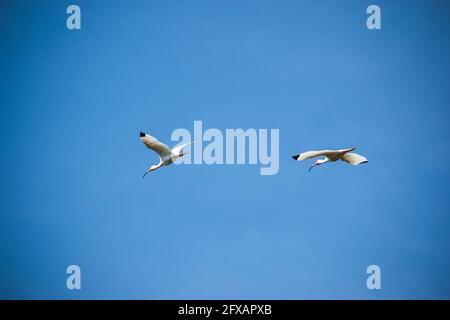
x=332, y=156
x=166, y=155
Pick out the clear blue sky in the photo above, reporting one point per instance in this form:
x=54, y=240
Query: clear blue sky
x=72, y=104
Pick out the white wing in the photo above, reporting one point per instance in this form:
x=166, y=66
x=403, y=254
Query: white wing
x=354, y=158
x=313, y=154
x=152, y=143
x=176, y=150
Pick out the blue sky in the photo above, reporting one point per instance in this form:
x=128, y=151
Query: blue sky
x=72, y=104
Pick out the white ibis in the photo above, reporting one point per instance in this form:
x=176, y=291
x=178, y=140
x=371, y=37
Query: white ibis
x=332, y=156
x=166, y=155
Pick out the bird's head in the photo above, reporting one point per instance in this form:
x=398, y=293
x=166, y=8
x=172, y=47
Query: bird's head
x=317, y=163
x=152, y=168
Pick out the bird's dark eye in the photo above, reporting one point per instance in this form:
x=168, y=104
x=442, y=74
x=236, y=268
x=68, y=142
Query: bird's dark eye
x=142, y=134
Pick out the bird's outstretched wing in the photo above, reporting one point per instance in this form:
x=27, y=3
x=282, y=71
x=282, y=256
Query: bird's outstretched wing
x=177, y=149
x=152, y=143
x=313, y=154
x=354, y=158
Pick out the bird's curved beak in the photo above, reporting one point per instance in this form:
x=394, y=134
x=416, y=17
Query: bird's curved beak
x=147, y=172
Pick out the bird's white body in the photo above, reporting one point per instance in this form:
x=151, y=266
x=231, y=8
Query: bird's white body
x=332, y=156
x=166, y=155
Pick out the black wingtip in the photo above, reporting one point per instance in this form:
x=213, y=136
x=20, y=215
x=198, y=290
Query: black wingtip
x=295, y=157
x=142, y=134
